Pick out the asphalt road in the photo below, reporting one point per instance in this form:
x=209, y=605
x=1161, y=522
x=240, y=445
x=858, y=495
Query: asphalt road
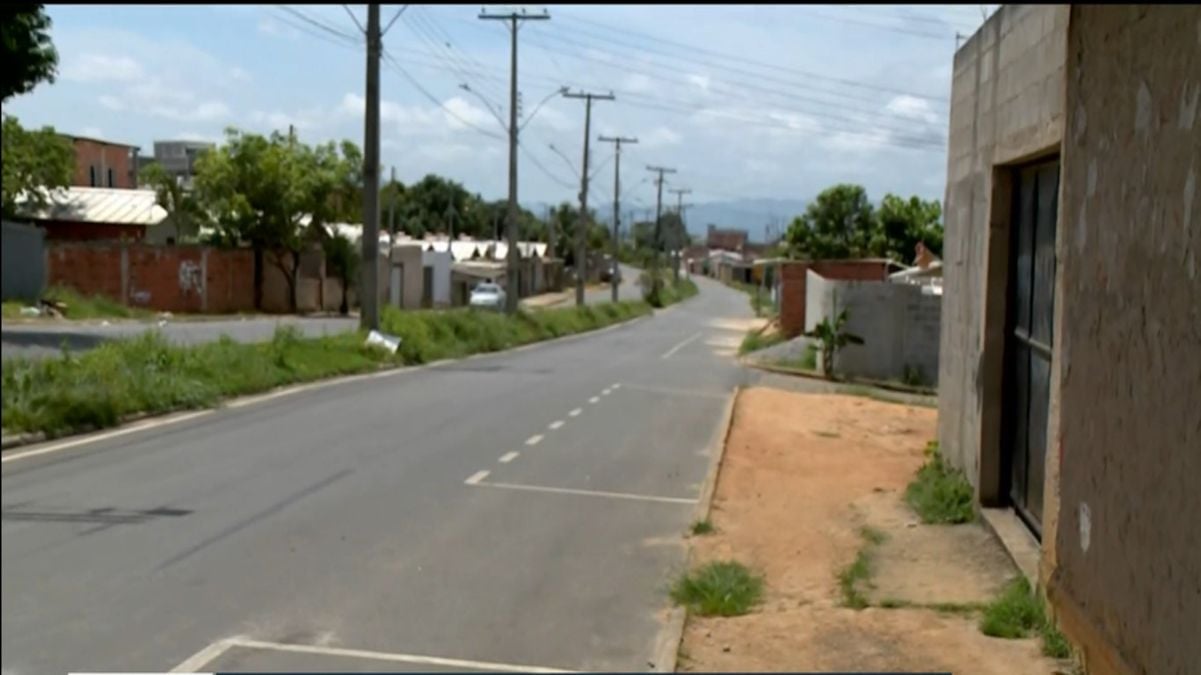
x=516, y=509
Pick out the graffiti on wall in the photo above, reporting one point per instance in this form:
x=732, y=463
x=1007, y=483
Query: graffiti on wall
x=190, y=278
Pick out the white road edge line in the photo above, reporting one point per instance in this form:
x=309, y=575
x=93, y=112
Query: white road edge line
x=508, y=457
x=673, y=350
x=534, y=440
x=588, y=493
x=394, y=656
x=555, y=425
x=594, y=399
x=195, y=662
x=477, y=477
x=576, y=412
x=136, y=426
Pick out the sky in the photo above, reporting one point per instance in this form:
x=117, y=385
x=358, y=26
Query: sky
x=745, y=102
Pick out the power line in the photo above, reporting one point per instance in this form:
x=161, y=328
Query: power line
x=734, y=57
x=393, y=20
x=417, y=24
x=354, y=18
x=319, y=24
x=891, y=29
x=319, y=35
x=548, y=172
x=433, y=99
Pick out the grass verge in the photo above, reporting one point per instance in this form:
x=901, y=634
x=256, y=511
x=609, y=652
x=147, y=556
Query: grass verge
x=859, y=572
x=149, y=375
x=939, y=493
x=702, y=527
x=719, y=589
x=1018, y=613
x=756, y=339
x=760, y=297
x=80, y=306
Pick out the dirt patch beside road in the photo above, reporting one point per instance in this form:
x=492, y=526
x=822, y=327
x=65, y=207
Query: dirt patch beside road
x=802, y=475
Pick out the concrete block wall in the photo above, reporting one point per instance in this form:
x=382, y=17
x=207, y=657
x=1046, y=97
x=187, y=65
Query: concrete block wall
x=1006, y=107
x=1123, y=563
x=899, y=325
x=792, y=289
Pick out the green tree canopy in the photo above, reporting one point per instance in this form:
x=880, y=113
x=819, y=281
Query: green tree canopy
x=183, y=209
x=29, y=55
x=34, y=162
x=842, y=223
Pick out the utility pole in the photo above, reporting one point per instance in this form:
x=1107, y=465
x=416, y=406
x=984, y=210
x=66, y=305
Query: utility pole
x=658, y=226
x=616, y=141
x=581, y=254
x=512, y=290
x=675, y=251
x=369, y=298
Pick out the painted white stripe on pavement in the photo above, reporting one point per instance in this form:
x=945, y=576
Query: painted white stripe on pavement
x=576, y=412
x=668, y=354
x=587, y=493
x=195, y=662
x=606, y=392
x=508, y=457
x=396, y=657
x=594, y=399
x=95, y=438
x=616, y=385
x=534, y=440
x=477, y=477
x=555, y=425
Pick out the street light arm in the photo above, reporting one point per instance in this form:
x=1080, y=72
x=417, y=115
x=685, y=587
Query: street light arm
x=558, y=92
x=488, y=107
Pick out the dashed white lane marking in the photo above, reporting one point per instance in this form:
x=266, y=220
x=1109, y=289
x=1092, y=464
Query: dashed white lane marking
x=477, y=477
x=576, y=412
x=508, y=457
x=555, y=425
x=458, y=664
x=534, y=440
x=587, y=493
x=594, y=399
x=606, y=392
x=685, y=343
x=616, y=385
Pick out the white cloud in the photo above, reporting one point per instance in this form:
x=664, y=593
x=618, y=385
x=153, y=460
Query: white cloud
x=112, y=102
x=458, y=108
x=911, y=107
x=92, y=132
x=101, y=68
x=794, y=121
x=207, y=111
x=637, y=83
x=269, y=26
x=659, y=137
x=239, y=75
x=701, y=81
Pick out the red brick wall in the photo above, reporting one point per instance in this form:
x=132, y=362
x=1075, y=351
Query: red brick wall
x=162, y=278
x=792, y=285
x=71, y=230
x=102, y=156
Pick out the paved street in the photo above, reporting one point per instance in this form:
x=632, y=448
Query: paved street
x=515, y=509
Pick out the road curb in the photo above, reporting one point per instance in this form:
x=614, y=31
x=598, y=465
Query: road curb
x=15, y=441
x=667, y=646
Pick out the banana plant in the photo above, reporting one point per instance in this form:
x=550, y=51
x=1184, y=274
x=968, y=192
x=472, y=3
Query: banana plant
x=832, y=337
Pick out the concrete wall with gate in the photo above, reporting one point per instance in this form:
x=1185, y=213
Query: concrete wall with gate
x=898, y=323
x=24, y=265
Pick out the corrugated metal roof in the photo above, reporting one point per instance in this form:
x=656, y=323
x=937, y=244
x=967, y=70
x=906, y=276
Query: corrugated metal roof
x=116, y=206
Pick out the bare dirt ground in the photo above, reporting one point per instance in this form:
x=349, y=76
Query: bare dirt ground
x=802, y=474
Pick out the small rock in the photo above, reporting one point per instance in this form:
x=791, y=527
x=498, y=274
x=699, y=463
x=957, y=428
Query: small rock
x=726, y=648
x=709, y=634
x=650, y=664
x=878, y=489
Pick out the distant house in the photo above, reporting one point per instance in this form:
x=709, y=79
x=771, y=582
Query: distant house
x=726, y=239
x=93, y=214
x=100, y=163
x=178, y=158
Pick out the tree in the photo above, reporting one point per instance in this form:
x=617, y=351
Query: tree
x=840, y=223
x=904, y=223
x=343, y=260
x=183, y=209
x=832, y=336
x=34, y=163
x=566, y=219
x=29, y=55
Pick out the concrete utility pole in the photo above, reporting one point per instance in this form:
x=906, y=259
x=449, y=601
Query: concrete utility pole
x=369, y=277
x=581, y=253
x=512, y=292
x=675, y=249
x=658, y=244
x=616, y=141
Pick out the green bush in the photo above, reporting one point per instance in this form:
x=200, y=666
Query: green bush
x=1018, y=613
x=719, y=589
x=939, y=493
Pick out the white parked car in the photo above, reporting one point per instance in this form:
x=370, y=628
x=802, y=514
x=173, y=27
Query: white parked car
x=487, y=296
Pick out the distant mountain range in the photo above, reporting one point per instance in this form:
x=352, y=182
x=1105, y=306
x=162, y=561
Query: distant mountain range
x=752, y=215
